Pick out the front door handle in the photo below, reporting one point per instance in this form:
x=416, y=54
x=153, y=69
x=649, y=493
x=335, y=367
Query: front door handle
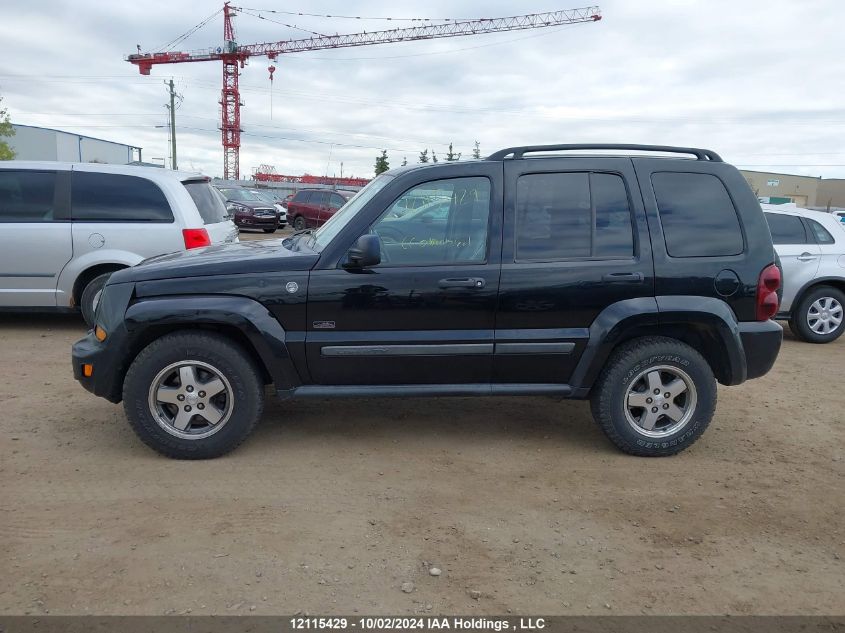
x=462, y=282
x=627, y=277
x=806, y=257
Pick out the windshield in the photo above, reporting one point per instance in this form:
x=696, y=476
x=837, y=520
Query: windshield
x=240, y=195
x=344, y=215
x=263, y=195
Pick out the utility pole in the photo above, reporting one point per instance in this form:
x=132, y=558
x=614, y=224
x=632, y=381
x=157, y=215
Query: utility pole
x=172, y=124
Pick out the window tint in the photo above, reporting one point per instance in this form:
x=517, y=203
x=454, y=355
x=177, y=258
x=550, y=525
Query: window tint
x=319, y=198
x=556, y=217
x=786, y=229
x=822, y=236
x=210, y=205
x=697, y=214
x=27, y=196
x=337, y=201
x=117, y=198
x=301, y=196
x=454, y=232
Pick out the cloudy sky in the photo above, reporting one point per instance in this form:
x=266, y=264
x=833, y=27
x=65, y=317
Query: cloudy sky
x=761, y=82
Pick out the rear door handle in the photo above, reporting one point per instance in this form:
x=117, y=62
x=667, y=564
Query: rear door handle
x=627, y=277
x=462, y=282
x=806, y=257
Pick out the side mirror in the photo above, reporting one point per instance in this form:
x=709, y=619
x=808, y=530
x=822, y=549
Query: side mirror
x=365, y=252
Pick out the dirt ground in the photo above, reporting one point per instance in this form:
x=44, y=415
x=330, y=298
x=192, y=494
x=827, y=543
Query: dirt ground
x=331, y=506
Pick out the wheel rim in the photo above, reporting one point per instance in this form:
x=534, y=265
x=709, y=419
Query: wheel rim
x=299, y=224
x=96, y=301
x=660, y=401
x=191, y=399
x=824, y=315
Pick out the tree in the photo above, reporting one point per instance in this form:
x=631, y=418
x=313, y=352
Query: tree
x=451, y=156
x=424, y=156
x=404, y=161
x=382, y=164
x=433, y=157
x=476, y=151
x=6, y=130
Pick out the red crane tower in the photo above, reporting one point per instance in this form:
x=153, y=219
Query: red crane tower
x=235, y=56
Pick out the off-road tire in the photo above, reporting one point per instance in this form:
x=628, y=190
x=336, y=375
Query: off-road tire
x=609, y=395
x=798, y=321
x=233, y=362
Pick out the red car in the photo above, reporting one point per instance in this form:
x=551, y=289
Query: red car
x=310, y=208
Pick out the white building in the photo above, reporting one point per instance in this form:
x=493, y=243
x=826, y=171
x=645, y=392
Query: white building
x=41, y=143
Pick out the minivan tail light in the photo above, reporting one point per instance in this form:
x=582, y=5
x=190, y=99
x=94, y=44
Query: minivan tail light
x=195, y=238
x=767, y=292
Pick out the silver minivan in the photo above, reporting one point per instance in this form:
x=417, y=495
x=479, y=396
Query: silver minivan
x=65, y=227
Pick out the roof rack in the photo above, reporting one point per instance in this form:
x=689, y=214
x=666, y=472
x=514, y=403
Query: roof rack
x=519, y=152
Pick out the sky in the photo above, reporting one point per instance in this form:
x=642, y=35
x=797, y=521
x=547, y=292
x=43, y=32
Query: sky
x=760, y=82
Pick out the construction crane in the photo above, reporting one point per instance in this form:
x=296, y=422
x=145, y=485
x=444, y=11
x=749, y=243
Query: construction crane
x=234, y=56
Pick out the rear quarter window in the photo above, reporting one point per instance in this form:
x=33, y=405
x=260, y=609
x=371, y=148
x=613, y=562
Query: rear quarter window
x=209, y=204
x=697, y=215
x=97, y=197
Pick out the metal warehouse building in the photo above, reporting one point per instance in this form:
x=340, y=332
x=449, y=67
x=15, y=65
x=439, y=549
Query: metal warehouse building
x=41, y=143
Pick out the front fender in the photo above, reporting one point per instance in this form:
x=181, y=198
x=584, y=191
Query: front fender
x=249, y=317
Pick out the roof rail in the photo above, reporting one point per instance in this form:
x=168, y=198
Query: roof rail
x=519, y=152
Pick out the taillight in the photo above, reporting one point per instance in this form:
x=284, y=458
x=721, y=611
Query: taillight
x=767, y=292
x=196, y=238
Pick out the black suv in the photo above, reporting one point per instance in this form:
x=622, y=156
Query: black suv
x=636, y=281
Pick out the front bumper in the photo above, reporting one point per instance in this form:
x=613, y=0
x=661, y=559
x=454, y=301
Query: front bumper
x=107, y=378
x=258, y=221
x=761, y=341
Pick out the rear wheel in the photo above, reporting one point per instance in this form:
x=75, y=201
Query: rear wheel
x=91, y=297
x=299, y=223
x=819, y=316
x=193, y=395
x=655, y=397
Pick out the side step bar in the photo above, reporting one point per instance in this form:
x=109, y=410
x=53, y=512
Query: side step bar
x=388, y=391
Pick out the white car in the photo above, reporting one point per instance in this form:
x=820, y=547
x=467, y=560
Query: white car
x=65, y=227
x=811, y=247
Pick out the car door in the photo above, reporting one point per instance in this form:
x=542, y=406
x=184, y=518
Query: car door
x=320, y=202
x=798, y=251
x=575, y=243
x=35, y=235
x=425, y=314
x=336, y=201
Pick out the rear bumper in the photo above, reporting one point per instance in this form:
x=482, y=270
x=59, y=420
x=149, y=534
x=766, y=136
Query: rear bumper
x=761, y=342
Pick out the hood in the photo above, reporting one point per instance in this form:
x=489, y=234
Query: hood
x=222, y=259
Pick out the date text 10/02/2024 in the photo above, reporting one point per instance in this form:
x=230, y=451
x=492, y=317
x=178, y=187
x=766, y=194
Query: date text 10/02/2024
x=421, y=624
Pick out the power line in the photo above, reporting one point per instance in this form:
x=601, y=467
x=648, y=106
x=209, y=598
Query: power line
x=358, y=17
x=290, y=26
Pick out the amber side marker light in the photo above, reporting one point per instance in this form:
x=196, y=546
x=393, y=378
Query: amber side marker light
x=100, y=333
x=87, y=370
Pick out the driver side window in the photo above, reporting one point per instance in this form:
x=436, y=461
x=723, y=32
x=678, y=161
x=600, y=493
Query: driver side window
x=451, y=227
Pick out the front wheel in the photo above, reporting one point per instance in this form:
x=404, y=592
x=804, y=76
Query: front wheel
x=655, y=397
x=299, y=223
x=269, y=230
x=819, y=316
x=192, y=395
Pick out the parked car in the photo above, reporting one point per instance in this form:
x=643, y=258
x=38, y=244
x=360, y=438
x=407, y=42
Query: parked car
x=271, y=198
x=635, y=281
x=250, y=211
x=310, y=208
x=65, y=227
x=425, y=222
x=811, y=247
x=840, y=215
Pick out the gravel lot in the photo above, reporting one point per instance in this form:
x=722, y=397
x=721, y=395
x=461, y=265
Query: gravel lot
x=331, y=506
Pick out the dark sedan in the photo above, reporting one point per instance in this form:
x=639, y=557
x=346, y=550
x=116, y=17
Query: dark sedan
x=249, y=211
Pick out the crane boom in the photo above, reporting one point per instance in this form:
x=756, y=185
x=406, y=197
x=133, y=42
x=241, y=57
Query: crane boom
x=234, y=55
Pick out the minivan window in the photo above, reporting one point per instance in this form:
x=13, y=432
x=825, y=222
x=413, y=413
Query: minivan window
x=209, y=204
x=786, y=229
x=302, y=196
x=319, y=198
x=27, y=196
x=97, y=197
x=337, y=201
x=697, y=215
x=571, y=215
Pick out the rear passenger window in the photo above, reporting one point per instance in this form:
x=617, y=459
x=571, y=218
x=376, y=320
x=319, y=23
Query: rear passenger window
x=27, y=196
x=786, y=229
x=301, y=196
x=822, y=236
x=571, y=215
x=697, y=214
x=99, y=197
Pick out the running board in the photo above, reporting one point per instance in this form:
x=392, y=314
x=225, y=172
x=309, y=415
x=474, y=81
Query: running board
x=390, y=391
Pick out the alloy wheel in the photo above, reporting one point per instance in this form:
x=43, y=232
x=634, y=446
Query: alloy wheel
x=660, y=401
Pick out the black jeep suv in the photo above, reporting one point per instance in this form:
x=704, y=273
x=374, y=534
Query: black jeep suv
x=637, y=281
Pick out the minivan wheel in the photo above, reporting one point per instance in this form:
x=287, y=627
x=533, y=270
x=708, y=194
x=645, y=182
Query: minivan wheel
x=192, y=395
x=655, y=397
x=818, y=318
x=90, y=297
x=299, y=223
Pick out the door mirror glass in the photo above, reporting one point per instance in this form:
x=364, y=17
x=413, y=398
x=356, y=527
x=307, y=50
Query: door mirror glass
x=365, y=252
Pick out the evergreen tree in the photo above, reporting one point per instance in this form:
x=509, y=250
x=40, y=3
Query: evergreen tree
x=424, y=156
x=6, y=130
x=382, y=164
x=451, y=156
x=404, y=161
x=433, y=157
x=476, y=151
